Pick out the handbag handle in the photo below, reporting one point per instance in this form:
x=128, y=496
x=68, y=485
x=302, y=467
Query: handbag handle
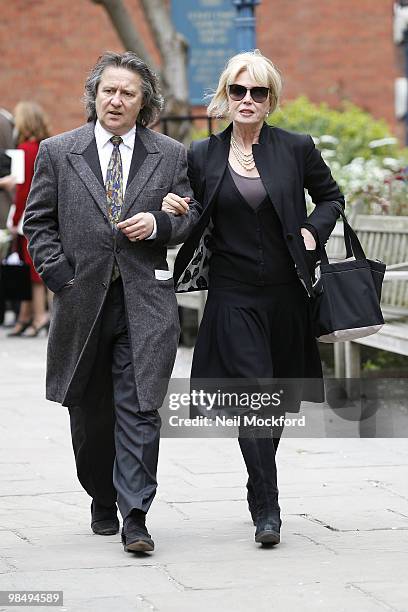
x=16, y=247
x=351, y=241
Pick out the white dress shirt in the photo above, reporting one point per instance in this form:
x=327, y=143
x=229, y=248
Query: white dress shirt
x=105, y=148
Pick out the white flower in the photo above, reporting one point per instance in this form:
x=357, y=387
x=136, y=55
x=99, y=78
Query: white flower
x=327, y=153
x=382, y=142
x=327, y=139
x=392, y=163
x=365, y=176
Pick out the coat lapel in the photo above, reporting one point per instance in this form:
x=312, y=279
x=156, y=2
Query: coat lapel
x=216, y=162
x=92, y=158
x=138, y=157
x=146, y=157
x=268, y=161
x=84, y=158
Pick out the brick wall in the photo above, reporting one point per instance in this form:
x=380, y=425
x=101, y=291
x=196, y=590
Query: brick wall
x=46, y=49
x=327, y=49
x=332, y=50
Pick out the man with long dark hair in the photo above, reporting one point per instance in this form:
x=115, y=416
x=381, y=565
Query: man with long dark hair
x=98, y=238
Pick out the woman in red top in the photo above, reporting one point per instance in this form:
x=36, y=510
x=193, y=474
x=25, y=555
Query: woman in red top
x=32, y=127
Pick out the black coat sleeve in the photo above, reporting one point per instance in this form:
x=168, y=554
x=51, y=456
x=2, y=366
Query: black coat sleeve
x=324, y=192
x=196, y=156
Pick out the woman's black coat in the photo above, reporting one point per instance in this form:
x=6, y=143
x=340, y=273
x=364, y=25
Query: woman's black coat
x=287, y=163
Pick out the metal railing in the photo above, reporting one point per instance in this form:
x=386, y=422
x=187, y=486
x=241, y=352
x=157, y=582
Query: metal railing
x=164, y=121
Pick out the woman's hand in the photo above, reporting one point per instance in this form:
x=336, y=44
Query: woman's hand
x=175, y=205
x=311, y=253
x=308, y=239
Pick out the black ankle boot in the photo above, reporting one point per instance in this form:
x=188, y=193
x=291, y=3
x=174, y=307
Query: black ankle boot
x=268, y=529
x=104, y=520
x=251, y=499
x=135, y=537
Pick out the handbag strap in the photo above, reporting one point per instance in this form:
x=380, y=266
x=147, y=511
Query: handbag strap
x=351, y=241
x=16, y=247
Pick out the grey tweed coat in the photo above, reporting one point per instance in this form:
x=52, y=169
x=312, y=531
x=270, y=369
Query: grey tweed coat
x=70, y=237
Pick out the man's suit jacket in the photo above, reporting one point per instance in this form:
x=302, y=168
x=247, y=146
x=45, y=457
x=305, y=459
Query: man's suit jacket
x=287, y=163
x=70, y=237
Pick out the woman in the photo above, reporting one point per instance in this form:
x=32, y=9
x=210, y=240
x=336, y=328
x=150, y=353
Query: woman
x=255, y=249
x=32, y=127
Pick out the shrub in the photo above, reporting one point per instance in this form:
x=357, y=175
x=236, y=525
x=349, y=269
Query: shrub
x=354, y=132
x=364, y=157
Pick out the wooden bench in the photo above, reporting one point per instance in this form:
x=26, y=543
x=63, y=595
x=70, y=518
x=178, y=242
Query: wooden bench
x=384, y=238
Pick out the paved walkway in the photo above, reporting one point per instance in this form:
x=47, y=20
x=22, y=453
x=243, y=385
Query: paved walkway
x=344, y=508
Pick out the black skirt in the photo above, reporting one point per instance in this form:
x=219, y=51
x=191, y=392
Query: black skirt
x=251, y=333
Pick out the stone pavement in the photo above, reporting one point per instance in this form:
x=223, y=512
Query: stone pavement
x=344, y=508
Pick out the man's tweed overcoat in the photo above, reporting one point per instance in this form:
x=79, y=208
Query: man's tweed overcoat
x=70, y=237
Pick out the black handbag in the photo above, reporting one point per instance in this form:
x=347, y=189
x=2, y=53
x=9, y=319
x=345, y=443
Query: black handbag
x=348, y=293
x=15, y=278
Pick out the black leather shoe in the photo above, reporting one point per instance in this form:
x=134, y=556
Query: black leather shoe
x=135, y=537
x=268, y=530
x=104, y=521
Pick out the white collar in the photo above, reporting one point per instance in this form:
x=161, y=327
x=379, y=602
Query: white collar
x=102, y=136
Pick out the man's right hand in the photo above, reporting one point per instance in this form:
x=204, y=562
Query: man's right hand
x=175, y=205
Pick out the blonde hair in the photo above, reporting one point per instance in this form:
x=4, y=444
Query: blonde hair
x=31, y=122
x=259, y=68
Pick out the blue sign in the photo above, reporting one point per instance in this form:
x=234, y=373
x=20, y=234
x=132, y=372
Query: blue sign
x=209, y=28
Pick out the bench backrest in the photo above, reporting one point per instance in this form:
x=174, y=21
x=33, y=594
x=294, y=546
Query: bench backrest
x=384, y=238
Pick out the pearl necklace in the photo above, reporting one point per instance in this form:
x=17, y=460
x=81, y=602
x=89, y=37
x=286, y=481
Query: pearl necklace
x=246, y=160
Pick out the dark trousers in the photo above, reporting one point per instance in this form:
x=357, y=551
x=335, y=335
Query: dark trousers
x=259, y=453
x=116, y=446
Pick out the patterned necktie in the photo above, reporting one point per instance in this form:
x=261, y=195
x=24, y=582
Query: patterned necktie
x=114, y=183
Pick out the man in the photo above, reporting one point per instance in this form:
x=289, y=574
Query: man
x=101, y=248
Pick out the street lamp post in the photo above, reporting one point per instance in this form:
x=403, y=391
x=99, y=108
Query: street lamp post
x=245, y=24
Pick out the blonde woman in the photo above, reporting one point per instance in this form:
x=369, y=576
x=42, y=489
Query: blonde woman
x=254, y=249
x=32, y=127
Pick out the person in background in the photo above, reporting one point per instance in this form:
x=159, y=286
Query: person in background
x=6, y=182
x=254, y=248
x=32, y=127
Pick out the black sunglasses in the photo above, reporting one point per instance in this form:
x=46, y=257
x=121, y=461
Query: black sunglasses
x=238, y=92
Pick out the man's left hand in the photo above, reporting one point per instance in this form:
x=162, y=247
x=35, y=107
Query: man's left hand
x=138, y=227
